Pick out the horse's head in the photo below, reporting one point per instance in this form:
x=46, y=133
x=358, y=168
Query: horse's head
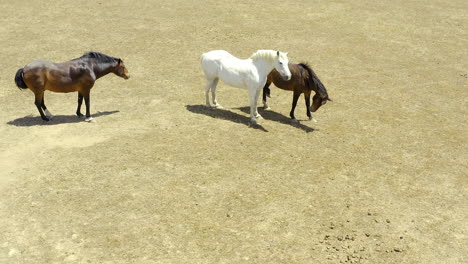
x=281, y=65
x=121, y=70
x=318, y=101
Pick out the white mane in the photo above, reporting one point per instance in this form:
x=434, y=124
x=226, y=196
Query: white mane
x=269, y=55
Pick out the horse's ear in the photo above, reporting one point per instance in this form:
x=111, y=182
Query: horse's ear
x=277, y=53
x=119, y=61
x=329, y=99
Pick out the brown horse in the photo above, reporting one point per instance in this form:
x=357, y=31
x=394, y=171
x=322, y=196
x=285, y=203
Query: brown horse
x=303, y=80
x=77, y=75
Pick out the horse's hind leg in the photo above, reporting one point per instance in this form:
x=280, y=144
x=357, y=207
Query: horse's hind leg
x=207, y=92
x=48, y=114
x=80, y=101
x=213, y=93
x=39, y=101
x=88, y=104
x=211, y=85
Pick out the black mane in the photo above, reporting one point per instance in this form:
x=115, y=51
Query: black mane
x=319, y=87
x=100, y=57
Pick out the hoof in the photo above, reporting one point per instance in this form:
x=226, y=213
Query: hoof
x=48, y=114
x=218, y=106
x=314, y=120
x=266, y=108
x=294, y=121
x=90, y=120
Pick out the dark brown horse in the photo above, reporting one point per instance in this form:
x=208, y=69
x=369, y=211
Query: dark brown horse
x=303, y=80
x=77, y=75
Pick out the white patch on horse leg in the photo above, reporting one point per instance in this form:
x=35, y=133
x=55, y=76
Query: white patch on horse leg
x=48, y=114
x=265, y=106
x=90, y=119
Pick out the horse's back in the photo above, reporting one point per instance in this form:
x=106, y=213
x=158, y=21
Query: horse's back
x=218, y=58
x=215, y=55
x=38, y=65
x=221, y=64
x=296, y=81
x=61, y=77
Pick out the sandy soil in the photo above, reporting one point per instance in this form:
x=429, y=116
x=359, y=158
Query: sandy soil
x=159, y=178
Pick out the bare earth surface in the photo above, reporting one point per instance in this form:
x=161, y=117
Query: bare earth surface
x=159, y=178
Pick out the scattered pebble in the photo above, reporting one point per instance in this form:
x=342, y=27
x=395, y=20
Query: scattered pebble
x=13, y=252
x=71, y=258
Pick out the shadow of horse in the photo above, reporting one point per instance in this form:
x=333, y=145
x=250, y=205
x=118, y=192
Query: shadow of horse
x=223, y=114
x=280, y=118
x=58, y=119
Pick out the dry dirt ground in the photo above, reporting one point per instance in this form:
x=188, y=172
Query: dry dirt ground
x=159, y=178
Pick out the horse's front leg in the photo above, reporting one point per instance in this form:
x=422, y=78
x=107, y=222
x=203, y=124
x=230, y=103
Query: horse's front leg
x=38, y=101
x=307, y=102
x=257, y=94
x=294, y=103
x=253, y=105
x=80, y=101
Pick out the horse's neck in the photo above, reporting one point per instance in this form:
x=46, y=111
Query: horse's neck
x=101, y=69
x=264, y=67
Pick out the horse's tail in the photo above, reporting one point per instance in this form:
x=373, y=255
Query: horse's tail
x=315, y=81
x=19, y=79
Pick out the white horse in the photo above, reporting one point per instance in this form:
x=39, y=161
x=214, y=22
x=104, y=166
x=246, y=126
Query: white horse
x=250, y=74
